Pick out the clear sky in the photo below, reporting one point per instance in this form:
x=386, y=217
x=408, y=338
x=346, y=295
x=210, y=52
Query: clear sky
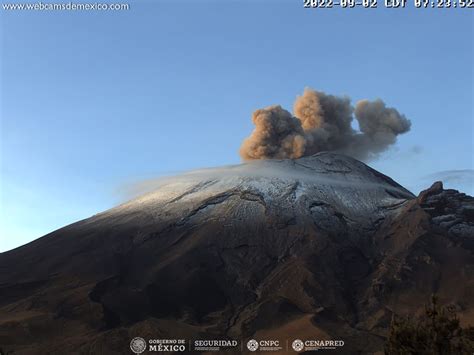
x=93, y=101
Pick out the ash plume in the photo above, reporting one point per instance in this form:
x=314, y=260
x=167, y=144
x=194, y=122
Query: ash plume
x=277, y=135
x=322, y=122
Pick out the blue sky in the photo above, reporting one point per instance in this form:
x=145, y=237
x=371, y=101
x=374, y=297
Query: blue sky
x=93, y=101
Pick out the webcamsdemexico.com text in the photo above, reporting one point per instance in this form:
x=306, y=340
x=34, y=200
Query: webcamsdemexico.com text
x=69, y=6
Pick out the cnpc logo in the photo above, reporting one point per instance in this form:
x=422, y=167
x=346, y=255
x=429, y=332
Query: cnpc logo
x=254, y=345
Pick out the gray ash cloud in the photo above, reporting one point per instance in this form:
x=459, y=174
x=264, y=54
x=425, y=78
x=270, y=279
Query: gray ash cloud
x=322, y=122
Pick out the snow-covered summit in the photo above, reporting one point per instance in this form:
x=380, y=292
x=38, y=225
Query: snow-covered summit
x=324, y=179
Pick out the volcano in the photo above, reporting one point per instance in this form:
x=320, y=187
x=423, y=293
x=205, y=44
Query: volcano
x=321, y=247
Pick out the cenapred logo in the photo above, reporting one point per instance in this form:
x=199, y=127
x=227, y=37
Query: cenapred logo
x=138, y=345
x=297, y=345
x=316, y=344
x=252, y=345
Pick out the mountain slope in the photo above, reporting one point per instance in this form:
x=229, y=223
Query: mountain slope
x=321, y=246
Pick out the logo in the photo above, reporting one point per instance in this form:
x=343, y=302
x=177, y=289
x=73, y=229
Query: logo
x=167, y=345
x=252, y=345
x=138, y=345
x=297, y=345
x=214, y=344
x=315, y=345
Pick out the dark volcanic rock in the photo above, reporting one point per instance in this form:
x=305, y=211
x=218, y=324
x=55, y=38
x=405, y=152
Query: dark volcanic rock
x=322, y=247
